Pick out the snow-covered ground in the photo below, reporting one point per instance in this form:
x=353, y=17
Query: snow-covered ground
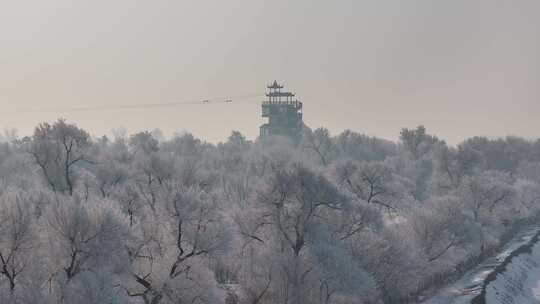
x=520, y=282
x=512, y=277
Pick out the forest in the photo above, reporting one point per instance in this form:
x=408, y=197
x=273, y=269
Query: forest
x=331, y=219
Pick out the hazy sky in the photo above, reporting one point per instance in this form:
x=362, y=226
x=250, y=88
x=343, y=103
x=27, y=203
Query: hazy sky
x=460, y=67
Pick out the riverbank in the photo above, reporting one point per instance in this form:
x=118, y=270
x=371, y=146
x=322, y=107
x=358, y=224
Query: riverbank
x=506, y=277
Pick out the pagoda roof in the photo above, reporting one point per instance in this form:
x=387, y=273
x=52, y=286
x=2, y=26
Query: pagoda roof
x=275, y=85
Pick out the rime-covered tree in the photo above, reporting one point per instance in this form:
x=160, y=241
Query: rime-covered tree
x=57, y=149
x=145, y=219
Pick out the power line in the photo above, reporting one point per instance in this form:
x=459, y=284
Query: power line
x=232, y=99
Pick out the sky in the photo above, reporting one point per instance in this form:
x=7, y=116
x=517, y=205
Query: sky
x=460, y=67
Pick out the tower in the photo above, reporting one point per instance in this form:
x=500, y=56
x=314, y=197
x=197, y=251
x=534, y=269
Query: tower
x=284, y=113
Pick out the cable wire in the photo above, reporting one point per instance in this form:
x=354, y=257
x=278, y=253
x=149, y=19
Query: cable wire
x=233, y=99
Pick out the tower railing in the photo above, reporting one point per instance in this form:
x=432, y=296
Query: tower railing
x=295, y=103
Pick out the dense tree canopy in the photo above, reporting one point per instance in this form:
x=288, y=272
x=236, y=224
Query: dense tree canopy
x=330, y=219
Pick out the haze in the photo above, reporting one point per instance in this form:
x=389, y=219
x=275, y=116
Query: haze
x=460, y=67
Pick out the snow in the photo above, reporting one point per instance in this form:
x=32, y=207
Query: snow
x=518, y=283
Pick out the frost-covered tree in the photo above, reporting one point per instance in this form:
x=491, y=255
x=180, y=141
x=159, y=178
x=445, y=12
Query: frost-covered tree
x=18, y=241
x=372, y=182
x=417, y=141
x=145, y=219
x=299, y=201
x=57, y=149
x=484, y=193
x=439, y=227
x=170, y=246
x=319, y=142
x=85, y=242
x=360, y=147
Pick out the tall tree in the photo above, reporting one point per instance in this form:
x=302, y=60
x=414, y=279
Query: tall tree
x=57, y=149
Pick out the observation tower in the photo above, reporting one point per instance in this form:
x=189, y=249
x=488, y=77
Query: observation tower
x=284, y=113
